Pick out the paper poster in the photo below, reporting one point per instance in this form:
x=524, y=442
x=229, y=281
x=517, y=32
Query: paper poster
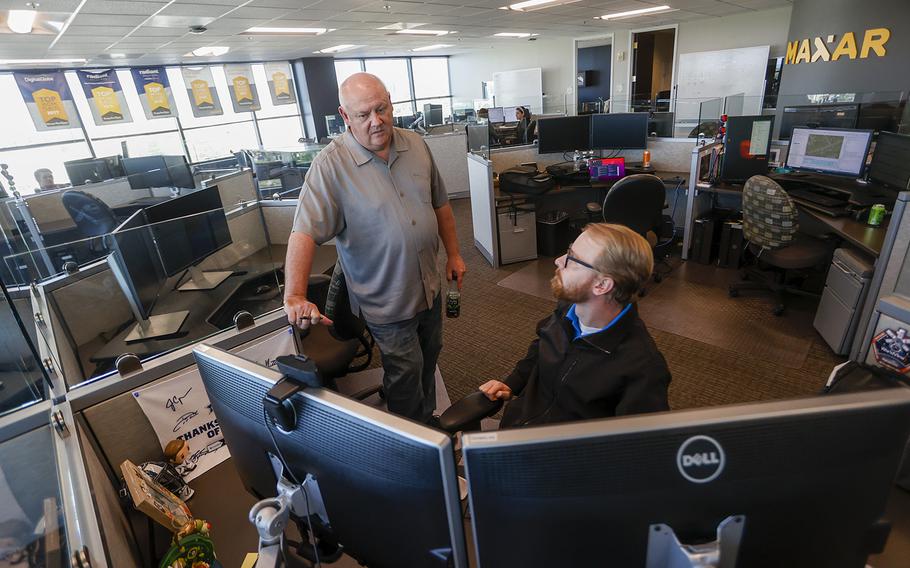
x=281, y=82
x=48, y=100
x=154, y=92
x=200, y=88
x=105, y=96
x=180, y=408
x=242, y=88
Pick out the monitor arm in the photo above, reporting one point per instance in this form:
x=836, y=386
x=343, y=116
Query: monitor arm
x=666, y=551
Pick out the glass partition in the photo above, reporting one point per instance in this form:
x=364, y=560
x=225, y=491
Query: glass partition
x=279, y=173
x=22, y=378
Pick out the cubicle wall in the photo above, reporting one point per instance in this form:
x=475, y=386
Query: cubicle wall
x=448, y=151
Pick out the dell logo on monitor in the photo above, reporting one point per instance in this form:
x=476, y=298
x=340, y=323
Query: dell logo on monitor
x=700, y=459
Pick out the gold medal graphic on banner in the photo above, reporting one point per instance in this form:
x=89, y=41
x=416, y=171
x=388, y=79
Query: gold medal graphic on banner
x=242, y=92
x=107, y=104
x=281, y=85
x=157, y=99
x=202, y=96
x=51, y=108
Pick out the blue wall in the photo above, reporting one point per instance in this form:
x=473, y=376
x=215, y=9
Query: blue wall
x=596, y=59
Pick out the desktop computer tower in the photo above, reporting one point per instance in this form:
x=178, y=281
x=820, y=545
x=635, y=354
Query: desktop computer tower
x=432, y=114
x=703, y=240
x=730, y=250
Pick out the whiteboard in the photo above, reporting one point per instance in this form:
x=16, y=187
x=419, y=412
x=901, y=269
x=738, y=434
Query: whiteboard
x=521, y=87
x=716, y=74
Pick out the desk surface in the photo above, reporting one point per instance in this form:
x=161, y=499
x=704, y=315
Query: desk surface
x=571, y=188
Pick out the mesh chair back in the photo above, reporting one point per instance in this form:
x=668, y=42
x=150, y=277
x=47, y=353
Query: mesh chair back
x=92, y=216
x=637, y=202
x=769, y=215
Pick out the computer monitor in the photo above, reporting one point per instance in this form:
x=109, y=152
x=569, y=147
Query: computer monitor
x=93, y=170
x=388, y=484
x=496, y=114
x=891, y=161
x=837, y=115
x=829, y=150
x=805, y=480
x=563, y=134
x=619, y=131
x=147, y=172
x=137, y=269
x=508, y=114
x=179, y=171
x=746, y=147
x=660, y=124
x=188, y=229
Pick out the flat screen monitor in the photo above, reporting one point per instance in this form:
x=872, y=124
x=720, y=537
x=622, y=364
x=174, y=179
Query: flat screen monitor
x=189, y=228
x=508, y=114
x=807, y=480
x=179, y=171
x=147, y=172
x=881, y=116
x=660, y=124
x=496, y=114
x=388, y=484
x=818, y=116
x=564, y=134
x=891, y=161
x=93, y=170
x=746, y=147
x=619, y=131
x=133, y=250
x=829, y=150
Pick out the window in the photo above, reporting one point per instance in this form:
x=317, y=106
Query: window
x=221, y=140
x=431, y=77
x=344, y=68
x=411, y=81
x=394, y=73
x=283, y=132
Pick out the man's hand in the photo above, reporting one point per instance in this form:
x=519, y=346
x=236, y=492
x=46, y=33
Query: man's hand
x=455, y=267
x=303, y=313
x=496, y=390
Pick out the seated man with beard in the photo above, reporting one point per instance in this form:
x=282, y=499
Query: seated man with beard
x=593, y=357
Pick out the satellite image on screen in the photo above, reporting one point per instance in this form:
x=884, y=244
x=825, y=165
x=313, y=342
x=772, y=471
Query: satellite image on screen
x=824, y=146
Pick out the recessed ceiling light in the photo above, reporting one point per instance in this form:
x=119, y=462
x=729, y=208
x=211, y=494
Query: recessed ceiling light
x=639, y=12
x=401, y=26
x=431, y=47
x=338, y=48
x=21, y=21
x=529, y=5
x=210, y=51
x=117, y=55
x=424, y=32
x=41, y=61
x=287, y=31
x=514, y=34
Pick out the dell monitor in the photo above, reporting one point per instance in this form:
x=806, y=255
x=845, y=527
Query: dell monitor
x=93, y=170
x=509, y=114
x=746, y=147
x=135, y=265
x=564, y=134
x=818, y=116
x=797, y=483
x=188, y=229
x=496, y=114
x=829, y=150
x=891, y=161
x=619, y=131
x=388, y=484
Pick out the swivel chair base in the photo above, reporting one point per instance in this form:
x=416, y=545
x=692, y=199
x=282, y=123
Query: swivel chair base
x=774, y=281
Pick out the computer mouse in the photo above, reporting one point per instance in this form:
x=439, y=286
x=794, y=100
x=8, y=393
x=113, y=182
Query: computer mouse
x=262, y=289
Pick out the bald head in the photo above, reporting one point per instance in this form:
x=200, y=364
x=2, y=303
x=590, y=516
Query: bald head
x=367, y=110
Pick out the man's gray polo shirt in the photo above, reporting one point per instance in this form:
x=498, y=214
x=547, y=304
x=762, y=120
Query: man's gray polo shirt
x=382, y=217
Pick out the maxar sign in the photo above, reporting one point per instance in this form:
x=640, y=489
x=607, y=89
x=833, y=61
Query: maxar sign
x=800, y=51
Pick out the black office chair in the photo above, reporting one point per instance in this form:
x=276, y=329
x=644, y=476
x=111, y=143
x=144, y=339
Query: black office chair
x=708, y=128
x=93, y=217
x=770, y=225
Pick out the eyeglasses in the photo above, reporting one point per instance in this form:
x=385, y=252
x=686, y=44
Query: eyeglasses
x=576, y=260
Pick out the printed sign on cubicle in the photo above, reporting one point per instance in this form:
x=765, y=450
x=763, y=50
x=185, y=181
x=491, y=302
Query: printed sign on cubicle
x=154, y=92
x=105, y=96
x=180, y=407
x=48, y=99
x=200, y=89
x=242, y=87
x=281, y=82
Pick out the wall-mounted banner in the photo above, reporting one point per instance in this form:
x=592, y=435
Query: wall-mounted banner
x=281, y=82
x=154, y=92
x=242, y=88
x=200, y=88
x=48, y=99
x=832, y=48
x=105, y=96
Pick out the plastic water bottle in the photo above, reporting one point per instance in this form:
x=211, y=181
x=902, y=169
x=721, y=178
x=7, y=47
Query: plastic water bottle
x=453, y=300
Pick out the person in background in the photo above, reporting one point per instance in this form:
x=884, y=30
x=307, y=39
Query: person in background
x=593, y=357
x=377, y=191
x=523, y=115
x=45, y=179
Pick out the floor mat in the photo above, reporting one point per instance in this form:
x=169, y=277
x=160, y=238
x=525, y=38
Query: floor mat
x=533, y=279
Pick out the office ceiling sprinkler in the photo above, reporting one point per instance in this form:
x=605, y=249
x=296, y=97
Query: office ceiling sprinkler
x=198, y=29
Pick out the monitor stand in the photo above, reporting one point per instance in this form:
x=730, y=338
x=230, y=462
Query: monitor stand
x=154, y=327
x=201, y=280
x=665, y=550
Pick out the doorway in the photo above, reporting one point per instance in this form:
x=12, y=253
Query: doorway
x=653, y=61
x=593, y=63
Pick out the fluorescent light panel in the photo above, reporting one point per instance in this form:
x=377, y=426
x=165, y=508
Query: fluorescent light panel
x=289, y=31
x=431, y=47
x=424, y=32
x=210, y=51
x=338, y=48
x=514, y=34
x=41, y=61
x=639, y=12
x=21, y=21
x=530, y=5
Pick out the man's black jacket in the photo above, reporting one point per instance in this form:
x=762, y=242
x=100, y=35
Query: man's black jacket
x=609, y=373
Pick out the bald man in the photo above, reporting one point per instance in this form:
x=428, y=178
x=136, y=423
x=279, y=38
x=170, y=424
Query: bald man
x=377, y=191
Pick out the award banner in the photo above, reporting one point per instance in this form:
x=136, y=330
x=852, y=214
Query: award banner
x=48, y=99
x=281, y=82
x=154, y=92
x=200, y=88
x=105, y=96
x=242, y=88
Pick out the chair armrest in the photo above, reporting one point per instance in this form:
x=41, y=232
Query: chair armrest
x=467, y=413
x=317, y=290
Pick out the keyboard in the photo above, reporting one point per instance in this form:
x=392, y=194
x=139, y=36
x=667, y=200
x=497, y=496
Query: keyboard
x=823, y=198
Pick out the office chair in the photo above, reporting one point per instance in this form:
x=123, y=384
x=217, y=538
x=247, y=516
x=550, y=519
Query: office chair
x=637, y=202
x=770, y=226
x=708, y=128
x=93, y=217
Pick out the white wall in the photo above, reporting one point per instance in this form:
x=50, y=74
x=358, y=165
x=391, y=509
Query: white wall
x=768, y=27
